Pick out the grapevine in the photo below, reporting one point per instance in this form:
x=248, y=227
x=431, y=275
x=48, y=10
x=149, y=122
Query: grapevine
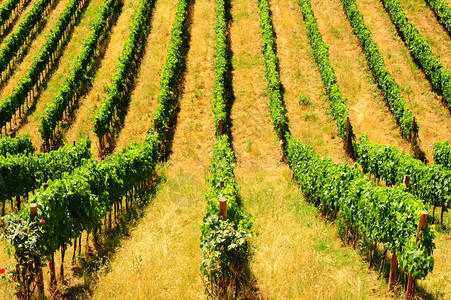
x=419, y=47
x=387, y=84
x=78, y=74
x=125, y=69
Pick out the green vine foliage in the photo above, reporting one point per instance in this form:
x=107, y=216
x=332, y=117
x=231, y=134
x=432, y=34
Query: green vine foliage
x=125, y=70
x=387, y=84
x=166, y=102
x=26, y=84
x=18, y=145
x=16, y=40
x=443, y=12
x=276, y=104
x=221, y=67
x=321, y=54
x=78, y=74
x=384, y=215
x=79, y=200
x=20, y=174
x=419, y=47
x=430, y=183
x=442, y=154
x=225, y=244
x=6, y=10
x=25, y=235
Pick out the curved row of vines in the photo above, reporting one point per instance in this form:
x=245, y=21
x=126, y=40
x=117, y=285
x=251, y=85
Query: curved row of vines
x=420, y=50
x=42, y=63
x=79, y=74
x=363, y=210
x=388, y=85
x=225, y=239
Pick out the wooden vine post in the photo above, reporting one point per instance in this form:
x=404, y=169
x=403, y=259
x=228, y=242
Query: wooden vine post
x=220, y=127
x=40, y=277
x=410, y=292
x=406, y=181
x=394, y=258
x=413, y=132
x=348, y=135
x=223, y=208
x=393, y=269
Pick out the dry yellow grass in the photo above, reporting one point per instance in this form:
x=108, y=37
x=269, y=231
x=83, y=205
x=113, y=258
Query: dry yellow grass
x=367, y=107
x=82, y=124
x=33, y=50
x=143, y=98
x=424, y=19
x=438, y=283
x=252, y=132
x=298, y=255
x=162, y=257
x=66, y=62
x=300, y=77
x=434, y=119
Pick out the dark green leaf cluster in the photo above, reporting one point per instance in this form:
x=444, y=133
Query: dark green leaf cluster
x=430, y=183
x=125, y=70
x=20, y=93
x=442, y=154
x=321, y=53
x=384, y=215
x=171, y=69
x=20, y=174
x=276, y=104
x=79, y=200
x=419, y=47
x=443, y=11
x=18, y=38
x=18, y=145
x=221, y=67
x=225, y=245
x=6, y=10
x=387, y=84
x=78, y=74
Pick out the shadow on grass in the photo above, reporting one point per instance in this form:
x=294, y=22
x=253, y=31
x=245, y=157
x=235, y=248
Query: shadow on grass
x=95, y=259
